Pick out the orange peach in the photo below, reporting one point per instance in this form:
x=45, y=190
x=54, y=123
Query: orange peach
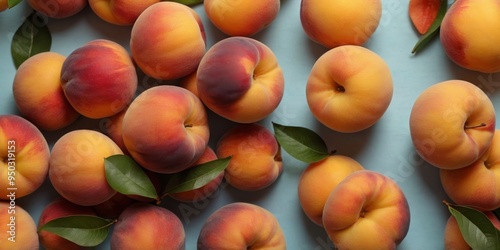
x=166, y=142
x=206, y=190
x=319, y=179
x=168, y=40
x=58, y=8
x=463, y=36
x=77, y=166
x=24, y=154
x=56, y=209
x=453, y=239
x=340, y=22
x=367, y=210
x=477, y=185
x=241, y=225
x=190, y=82
x=120, y=12
x=146, y=226
x=241, y=18
x=255, y=156
x=112, y=127
x=238, y=74
x=19, y=230
x=99, y=78
x=45, y=105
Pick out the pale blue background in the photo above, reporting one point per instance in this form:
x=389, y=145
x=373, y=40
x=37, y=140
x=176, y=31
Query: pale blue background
x=386, y=147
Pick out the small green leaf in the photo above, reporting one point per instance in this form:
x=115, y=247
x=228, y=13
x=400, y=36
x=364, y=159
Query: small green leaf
x=433, y=30
x=12, y=3
x=196, y=177
x=83, y=230
x=31, y=38
x=301, y=143
x=476, y=228
x=127, y=177
x=187, y=2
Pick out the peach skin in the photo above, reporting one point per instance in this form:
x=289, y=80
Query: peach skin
x=112, y=127
x=58, y=8
x=238, y=74
x=24, y=157
x=99, y=79
x=166, y=142
x=241, y=225
x=19, y=230
x=241, y=18
x=168, y=40
x=120, y=12
x=255, y=156
x=319, y=179
x=46, y=105
x=452, y=132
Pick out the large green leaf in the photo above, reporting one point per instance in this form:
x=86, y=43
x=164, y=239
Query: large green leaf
x=127, y=177
x=196, y=177
x=83, y=230
x=301, y=143
x=433, y=30
x=476, y=228
x=31, y=38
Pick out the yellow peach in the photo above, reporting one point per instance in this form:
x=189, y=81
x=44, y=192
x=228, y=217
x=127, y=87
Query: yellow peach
x=19, y=229
x=120, y=12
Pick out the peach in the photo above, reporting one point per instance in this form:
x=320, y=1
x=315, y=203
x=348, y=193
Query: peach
x=146, y=226
x=190, y=82
x=19, y=230
x=340, y=22
x=45, y=105
x=112, y=127
x=241, y=225
x=238, y=74
x=58, y=8
x=166, y=142
x=57, y=209
x=319, y=179
x=477, y=185
x=24, y=154
x=453, y=239
x=99, y=78
x=168, y=40
x=452, y=124
x=349, y=80
x=120, y=12
x=241, y=18
x=463, y=36
x=367, y=210
x=206, y=190
x=77, y=166
x=255, y=156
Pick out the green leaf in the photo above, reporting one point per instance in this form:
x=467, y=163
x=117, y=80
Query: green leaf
x=31, y=38
x=12, y=3
x=187, y=2
x=83, y=230
x=196, y=177
x=476, y=228
x=433, y=30
x=127, y=177
x=301, y=143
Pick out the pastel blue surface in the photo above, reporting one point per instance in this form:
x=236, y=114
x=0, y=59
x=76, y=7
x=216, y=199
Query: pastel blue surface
x=386, y=147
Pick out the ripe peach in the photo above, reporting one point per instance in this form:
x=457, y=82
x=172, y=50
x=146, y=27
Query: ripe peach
x=339, y=22
x=168, y=40
x=120, y=12
x=453, y=239
x=77, y=166
x=205, y=191
x=24, y=157
x=166, y=142
x=349, y=80
x=319, y=179
x=58, y=8
x=477, y=185
x=241, y=18
x=146, y=226
x=463, y=36
x=238, y=74
x=19, y=230
x=99, y=78
x=367, y=210
x=190, y=82
x=241, y=225
x=255, y=156
x=44, y=105
x=452, y=132
x=56, y=209
x=113, y=129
